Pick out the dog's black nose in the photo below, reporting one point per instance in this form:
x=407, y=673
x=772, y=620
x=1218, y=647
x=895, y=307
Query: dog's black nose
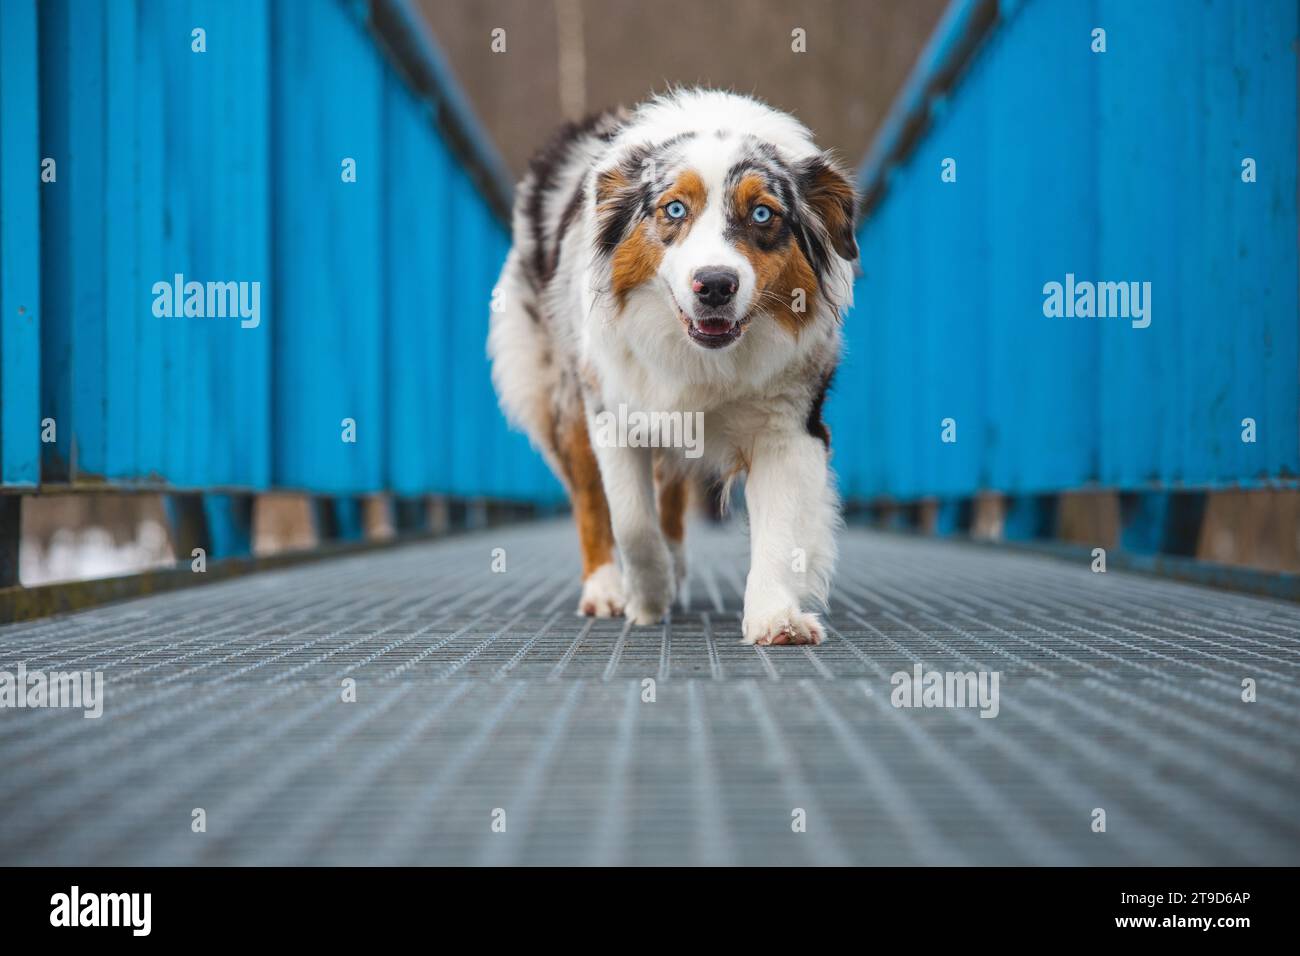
x=715, y=287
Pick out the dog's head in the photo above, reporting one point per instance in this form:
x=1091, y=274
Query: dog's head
x=723, y=211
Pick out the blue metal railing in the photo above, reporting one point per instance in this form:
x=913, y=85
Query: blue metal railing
x=1116, y=166
x=231, y=164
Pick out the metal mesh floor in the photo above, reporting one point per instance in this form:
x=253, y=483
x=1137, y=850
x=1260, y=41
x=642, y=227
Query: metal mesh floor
x=481, y=691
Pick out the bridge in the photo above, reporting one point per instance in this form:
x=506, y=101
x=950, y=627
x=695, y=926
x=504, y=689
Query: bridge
x=433, y=698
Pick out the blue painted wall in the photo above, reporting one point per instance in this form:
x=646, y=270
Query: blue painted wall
x=20, y=285
x=225, y=166
x=1115, y=166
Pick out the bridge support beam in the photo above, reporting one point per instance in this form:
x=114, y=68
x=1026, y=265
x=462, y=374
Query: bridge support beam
x=1029, y=517
x=189, y=525
x=11, y=531
x=410, y=515
x=230, y=525
x=952, y=516
x=1161, y=522
x=339, y=519
x=222, y=525
x=439, y=514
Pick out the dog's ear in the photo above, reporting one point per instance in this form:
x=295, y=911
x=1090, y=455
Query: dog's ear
x=830, y=194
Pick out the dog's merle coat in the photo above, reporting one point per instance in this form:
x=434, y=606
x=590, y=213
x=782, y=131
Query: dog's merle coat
x=603, y=303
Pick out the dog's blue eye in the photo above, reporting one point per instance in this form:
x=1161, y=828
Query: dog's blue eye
x=676, y=209
x=761, y=214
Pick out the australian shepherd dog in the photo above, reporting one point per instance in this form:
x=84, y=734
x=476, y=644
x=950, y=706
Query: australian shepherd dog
x=692, y=258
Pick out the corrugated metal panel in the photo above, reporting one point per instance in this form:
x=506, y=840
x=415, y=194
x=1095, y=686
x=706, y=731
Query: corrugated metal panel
x=162, y=154
x=418, y=389
x=224, y=165
x=1119, y=166
x=329, y=300
x=20, y=229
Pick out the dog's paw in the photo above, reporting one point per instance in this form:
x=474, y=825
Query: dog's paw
x=602, y=593
x=642, y=611
x=647, y=582
x=782, y=626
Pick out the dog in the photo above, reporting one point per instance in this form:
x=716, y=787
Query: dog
x=693, y=257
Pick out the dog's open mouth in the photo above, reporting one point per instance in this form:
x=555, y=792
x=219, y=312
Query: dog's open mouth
x=712, y=332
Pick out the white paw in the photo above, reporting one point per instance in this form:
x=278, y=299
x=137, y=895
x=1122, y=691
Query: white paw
x=647, y=582
x=641, y=611
x=786, y=625
x=602, y=593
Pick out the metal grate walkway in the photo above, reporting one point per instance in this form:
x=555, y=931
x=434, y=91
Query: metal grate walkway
x=479, y=691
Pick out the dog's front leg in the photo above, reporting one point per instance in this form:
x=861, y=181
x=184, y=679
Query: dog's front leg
x=627, y=474
x=793, y=515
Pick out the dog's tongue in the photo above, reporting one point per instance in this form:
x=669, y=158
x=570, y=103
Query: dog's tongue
x=714, y=326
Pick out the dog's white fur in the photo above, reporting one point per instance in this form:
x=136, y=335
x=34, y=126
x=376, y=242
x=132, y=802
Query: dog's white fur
x=755, y=394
